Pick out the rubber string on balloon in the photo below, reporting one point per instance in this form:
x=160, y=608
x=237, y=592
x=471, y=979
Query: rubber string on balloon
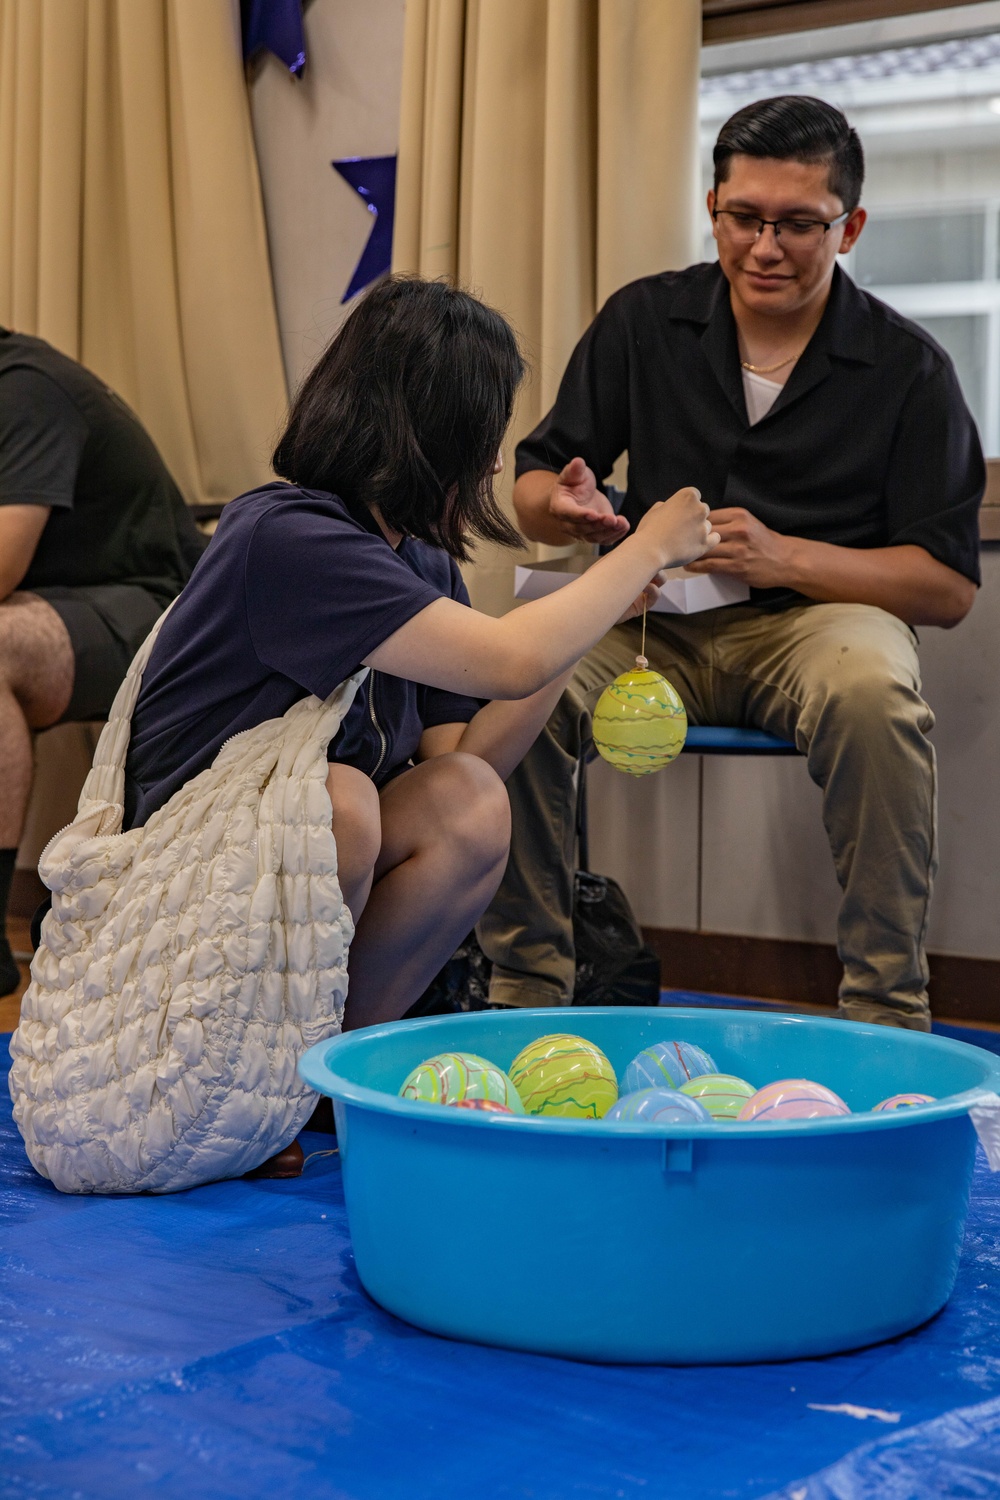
x=640, y=660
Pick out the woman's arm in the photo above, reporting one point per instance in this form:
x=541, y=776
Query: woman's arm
x=501, y=733
x=447, y=645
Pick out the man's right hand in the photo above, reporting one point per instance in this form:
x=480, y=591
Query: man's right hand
x=579, y=509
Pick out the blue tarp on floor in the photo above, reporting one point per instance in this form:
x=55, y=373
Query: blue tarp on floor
x=217, y=1343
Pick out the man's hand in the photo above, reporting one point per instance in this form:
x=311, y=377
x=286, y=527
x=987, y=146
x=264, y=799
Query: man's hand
x=903, y=579
x=748, y=550
x=579, y=509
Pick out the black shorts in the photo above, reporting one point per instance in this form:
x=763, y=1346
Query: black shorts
x=107, y=624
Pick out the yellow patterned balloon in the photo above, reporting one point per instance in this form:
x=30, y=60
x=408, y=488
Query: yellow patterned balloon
x=639, y=722
x=564, y=1075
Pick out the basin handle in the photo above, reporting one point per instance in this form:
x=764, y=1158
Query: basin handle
x=678, y=1156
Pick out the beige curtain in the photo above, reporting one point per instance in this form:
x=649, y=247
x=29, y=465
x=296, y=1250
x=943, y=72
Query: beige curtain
x=548, y=154
x=131, y=225
x=132, y=237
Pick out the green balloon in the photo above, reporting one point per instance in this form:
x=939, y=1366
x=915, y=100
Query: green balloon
x=722, y=1094
x=451, y=1077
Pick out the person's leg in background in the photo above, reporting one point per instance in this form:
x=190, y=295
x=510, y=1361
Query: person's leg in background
x=527, y=931
x=63, y=654
x=843, y=681
x=418, y=863
x=36, y=684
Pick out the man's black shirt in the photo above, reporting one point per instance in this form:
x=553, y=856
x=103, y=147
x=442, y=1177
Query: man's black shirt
x=68, y=442
x=869, y=444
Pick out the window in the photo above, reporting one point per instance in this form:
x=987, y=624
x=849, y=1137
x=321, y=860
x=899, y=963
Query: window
x=904, y=249
x=940, y=269
x=928, y=112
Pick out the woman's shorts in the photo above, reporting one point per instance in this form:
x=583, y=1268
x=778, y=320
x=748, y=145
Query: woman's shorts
x=107, y=623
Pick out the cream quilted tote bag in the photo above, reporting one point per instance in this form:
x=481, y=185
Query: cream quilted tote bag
x=185, y=966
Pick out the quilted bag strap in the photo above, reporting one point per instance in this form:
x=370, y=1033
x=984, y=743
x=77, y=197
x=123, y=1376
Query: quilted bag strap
x=105, y=784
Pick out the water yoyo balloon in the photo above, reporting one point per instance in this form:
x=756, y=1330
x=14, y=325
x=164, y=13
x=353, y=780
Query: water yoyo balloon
x=666, y=1065
x=722, y=1094
x=562, y=1074
x=639, y=722
x=793, y=1099
x=658, y=1107
x=903, y=1101
x=455, y=1077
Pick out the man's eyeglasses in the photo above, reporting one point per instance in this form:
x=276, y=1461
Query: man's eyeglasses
x=744, y=229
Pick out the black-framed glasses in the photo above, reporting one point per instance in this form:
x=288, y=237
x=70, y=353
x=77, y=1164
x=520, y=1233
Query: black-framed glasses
x=743, y=229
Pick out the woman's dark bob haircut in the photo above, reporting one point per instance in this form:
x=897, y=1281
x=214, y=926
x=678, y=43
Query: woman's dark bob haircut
x=406, y=411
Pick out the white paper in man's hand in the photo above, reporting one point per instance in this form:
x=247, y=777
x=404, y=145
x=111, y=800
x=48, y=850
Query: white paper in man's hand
x=682, y=593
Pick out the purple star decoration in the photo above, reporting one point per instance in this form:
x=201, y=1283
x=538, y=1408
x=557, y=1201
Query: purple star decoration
x=275, y=26
x=374, y=178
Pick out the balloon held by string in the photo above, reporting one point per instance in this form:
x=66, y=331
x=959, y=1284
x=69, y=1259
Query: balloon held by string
x=639, y=723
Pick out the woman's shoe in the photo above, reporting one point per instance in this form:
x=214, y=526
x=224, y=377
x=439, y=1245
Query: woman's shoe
x=287, y=1163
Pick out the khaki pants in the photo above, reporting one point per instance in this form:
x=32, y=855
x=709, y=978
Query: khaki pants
x=843, y=682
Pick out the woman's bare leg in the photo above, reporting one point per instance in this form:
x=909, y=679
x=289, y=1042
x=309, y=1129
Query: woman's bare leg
x=357, y=827
x=445, y=837
x=417, y=866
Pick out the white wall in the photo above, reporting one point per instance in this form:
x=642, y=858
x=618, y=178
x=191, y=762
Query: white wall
x=346, y=104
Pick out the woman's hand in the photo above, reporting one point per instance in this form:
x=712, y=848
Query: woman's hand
x=448, y=646
x=646, y=599
x=679, y=529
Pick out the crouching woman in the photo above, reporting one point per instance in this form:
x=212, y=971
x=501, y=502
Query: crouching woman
x=307, y=762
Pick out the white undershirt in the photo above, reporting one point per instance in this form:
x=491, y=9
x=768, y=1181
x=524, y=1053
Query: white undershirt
x=759, y=394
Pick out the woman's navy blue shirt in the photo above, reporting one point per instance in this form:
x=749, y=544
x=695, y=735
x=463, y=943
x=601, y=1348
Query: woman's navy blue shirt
x=294, y=591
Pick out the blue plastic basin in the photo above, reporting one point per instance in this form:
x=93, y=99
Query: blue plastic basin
x=682, y=1244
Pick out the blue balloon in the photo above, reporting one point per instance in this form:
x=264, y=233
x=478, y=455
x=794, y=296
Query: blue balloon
x=666, y=1065
x=659, y=1106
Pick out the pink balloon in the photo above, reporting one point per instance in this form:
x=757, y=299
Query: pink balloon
x=793, y=1099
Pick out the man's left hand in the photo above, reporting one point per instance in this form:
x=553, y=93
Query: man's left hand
x=749, y=551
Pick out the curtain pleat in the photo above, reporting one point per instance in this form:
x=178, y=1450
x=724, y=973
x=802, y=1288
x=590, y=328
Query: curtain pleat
x=60, y=171
x=131, y=225
x=548, y=155
x=648, y=213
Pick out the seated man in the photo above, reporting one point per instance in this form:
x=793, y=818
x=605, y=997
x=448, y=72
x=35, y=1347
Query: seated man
x=830, y=437
x=95, y=541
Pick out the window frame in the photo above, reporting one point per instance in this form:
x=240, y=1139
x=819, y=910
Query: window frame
x=738, y=20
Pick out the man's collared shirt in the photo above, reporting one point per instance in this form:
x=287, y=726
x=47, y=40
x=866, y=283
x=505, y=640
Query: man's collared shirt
x=869, y=444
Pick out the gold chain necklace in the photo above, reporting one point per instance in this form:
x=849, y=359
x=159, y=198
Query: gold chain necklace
x=768, y=369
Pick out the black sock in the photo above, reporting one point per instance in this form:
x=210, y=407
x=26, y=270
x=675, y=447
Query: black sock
x=10, y=976
x=8, y=858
